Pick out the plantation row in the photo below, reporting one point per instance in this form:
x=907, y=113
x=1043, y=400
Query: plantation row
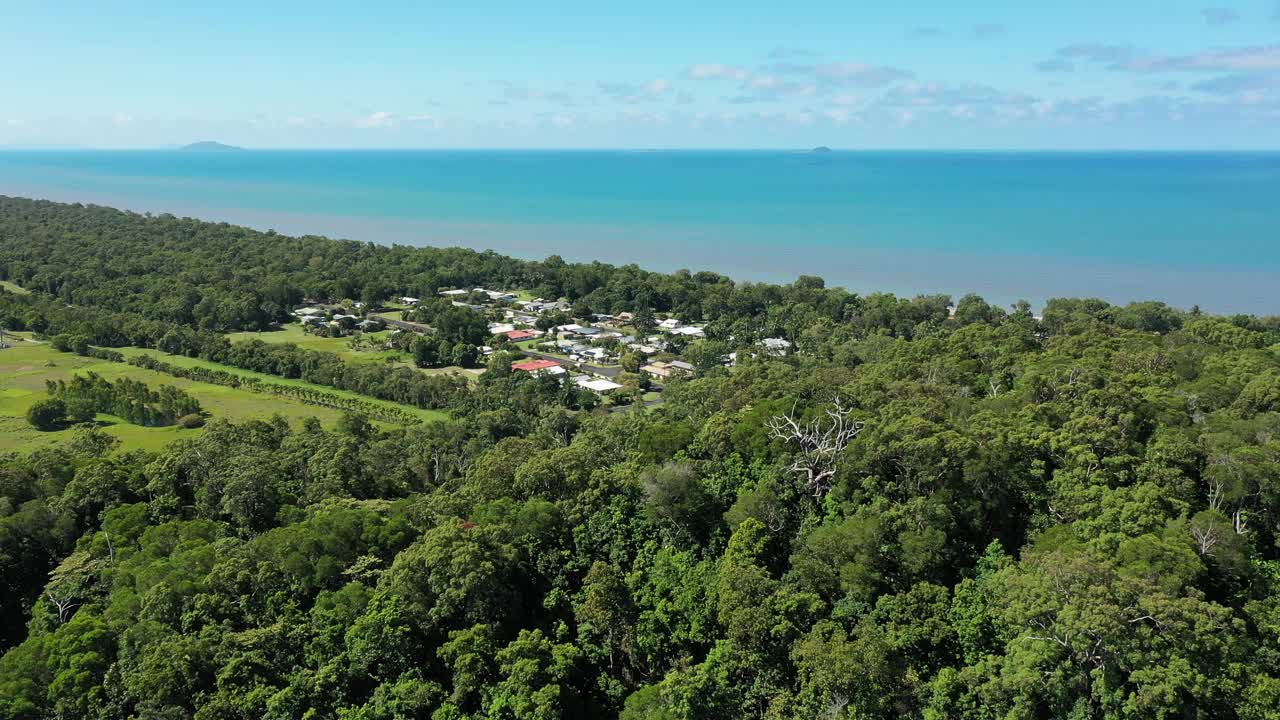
x=307, y=395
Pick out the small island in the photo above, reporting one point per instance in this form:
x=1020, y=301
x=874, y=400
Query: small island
x=821, y=149
x=209, y=146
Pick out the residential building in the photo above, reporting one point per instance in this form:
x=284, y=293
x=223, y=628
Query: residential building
x=538, y=367
x=600, y=386
x=667, y=370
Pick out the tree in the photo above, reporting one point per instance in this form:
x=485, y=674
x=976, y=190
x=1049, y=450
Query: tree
x=820, y=443
x=46, y=415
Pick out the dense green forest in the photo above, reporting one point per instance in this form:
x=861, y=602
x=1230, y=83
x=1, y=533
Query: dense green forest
x=927, y=509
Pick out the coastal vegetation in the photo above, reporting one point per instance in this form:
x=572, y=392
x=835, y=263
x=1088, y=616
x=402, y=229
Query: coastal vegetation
x=918, y=507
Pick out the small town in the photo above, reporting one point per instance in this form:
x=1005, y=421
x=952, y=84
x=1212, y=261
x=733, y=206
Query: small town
x=626, y=358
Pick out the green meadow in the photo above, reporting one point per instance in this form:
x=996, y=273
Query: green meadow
x=25, y=367
x=343, y=347
x=426, y=415
x=293, y=333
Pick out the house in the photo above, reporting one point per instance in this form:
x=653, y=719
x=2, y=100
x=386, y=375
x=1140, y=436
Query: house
x=454, y=293
x=664, y=370
x=409, y=300
x=776, y=346
x=501, y=328
x=669, y=324
x=369, y=325
x=312, y=320
x=538, y=367
x=588, y=331
x=496, y=295
x=594, y=354
x=690, y=331
x=477, y=308
x=626, y=317
x=340, y=316
x=518, y=335
x=486, y=350
x=600, y=386
x=309, y=312
x=571, y=328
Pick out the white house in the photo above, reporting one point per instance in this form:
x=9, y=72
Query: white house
x=600, y=386
x=776, y=346
x=669, y=324
x=406, y=300
x=690, y=331
x=455, y=293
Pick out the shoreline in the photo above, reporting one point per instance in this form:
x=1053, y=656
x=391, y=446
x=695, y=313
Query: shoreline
x=904, y=272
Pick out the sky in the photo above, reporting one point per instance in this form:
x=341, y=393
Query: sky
x=1093, y=74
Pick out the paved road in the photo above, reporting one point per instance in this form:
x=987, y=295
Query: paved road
x=607, y=372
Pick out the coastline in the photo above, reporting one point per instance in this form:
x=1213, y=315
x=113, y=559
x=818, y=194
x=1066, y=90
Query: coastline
x=921, y=235
x=1000, y=279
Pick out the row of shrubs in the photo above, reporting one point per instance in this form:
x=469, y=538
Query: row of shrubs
x=307, y=395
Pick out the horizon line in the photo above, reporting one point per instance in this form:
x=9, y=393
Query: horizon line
x=478, y=148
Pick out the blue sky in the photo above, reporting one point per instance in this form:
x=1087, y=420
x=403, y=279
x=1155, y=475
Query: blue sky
x=1117, y=74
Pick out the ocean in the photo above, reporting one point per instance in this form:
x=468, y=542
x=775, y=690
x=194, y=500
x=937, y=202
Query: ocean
x=1186, y=228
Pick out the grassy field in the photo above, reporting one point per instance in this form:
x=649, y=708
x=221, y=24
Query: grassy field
x=179, y=360
x=25, y=368
x=10, y=287
x=342, y=347
x=293, y=333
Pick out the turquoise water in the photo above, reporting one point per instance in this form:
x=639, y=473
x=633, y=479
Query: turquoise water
x=1187, y=228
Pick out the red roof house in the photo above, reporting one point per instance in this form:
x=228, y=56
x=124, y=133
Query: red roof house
x=535, y=365
x=520, y=334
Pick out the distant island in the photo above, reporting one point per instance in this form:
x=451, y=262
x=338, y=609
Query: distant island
x=821, y=149
x=209, y=146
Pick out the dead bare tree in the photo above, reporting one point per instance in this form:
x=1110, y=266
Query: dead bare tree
x=63, y=605
x=1207, y=536
x=820, y=442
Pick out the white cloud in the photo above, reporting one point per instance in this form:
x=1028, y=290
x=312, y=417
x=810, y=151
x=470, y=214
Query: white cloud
x=378, y=119
x=841, y=116
x=630, y=93
x=656, y=87
x=524, y=94
x=717, y=70
x=847, y=74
